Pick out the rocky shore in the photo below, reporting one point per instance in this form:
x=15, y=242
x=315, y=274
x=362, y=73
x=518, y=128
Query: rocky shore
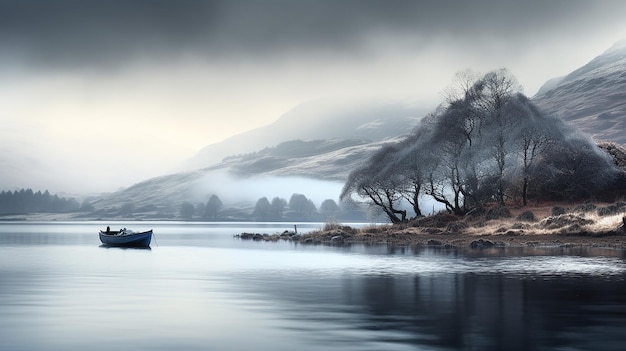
x=582, y=225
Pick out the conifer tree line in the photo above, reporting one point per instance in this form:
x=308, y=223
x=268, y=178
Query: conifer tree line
x=27, y=201
x=486, y=144
x=298, y=207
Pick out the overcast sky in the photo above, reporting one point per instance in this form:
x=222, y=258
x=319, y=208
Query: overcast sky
x=138, y=86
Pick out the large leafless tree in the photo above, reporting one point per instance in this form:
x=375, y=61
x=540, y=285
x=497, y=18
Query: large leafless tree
x=487, y=143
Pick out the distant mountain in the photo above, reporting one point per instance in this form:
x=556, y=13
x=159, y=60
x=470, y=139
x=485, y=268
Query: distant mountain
x=593, y=97
x=371, y=120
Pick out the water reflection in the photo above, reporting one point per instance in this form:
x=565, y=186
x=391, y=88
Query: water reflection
x=451, y=311
x=105, y=246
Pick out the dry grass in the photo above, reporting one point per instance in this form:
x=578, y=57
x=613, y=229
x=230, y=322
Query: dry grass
x=578, y=226
x=605, y=223
x=570, y=223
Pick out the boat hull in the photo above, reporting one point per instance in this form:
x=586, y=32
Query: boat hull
x=127, y=240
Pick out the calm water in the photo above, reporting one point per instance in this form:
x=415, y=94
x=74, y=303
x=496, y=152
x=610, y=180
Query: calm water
x=200, y=289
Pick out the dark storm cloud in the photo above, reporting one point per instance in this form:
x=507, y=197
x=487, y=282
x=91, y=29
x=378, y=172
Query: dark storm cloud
x=103, y=33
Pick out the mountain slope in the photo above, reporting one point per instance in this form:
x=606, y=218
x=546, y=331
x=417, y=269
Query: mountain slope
x=593, y=97
x=372, y=120
x=318, y=159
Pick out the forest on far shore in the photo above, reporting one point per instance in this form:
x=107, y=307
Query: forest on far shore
x=27, y=201
x=298, y=208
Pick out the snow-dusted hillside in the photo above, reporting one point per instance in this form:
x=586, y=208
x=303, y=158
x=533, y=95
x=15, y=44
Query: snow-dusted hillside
x=372, y=120
x=593, y=97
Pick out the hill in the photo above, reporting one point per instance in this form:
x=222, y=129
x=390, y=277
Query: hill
x=371, y=120
x=593, y=97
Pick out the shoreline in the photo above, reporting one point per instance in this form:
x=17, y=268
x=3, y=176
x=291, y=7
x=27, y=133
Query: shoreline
x=490, y=241
x=600, y=225
x=453, y=241
x=581, y=225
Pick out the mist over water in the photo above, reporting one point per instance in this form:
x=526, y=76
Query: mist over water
x=231, y=189
x=237, y=190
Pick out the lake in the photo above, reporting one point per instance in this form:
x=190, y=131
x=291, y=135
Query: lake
x=198, y=288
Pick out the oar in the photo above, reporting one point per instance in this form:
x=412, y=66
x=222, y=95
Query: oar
x=154, y=236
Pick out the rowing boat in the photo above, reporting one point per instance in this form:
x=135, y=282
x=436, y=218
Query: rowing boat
x=126, y=238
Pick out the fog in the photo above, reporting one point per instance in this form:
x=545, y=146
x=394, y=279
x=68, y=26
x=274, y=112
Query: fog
x=232, y=190
x=100, y=95
x=240, y=192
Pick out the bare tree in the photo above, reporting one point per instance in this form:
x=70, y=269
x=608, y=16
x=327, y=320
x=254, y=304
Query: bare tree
x=444, y=183
x=491, y=92
x=461, y=86
x=532, y=140
x=450, y=150
x=482, y=145
x=381, y=189
x=494, y=92
x=406, y=167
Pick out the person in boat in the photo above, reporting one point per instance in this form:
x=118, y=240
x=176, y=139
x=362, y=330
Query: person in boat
x=108, y=229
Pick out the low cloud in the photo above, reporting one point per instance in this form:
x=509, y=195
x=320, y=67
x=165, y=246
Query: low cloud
x=248, y=190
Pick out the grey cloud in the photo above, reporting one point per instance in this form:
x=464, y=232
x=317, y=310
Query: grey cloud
x=102, y=33
x=67, y=32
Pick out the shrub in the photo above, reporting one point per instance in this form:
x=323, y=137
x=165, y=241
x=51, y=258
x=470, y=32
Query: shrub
x=527, y=216
x=588, y=207
x=497, y=213
x=611, y=210
x=558, y=222
x=456, y=227
x=558, y=210
x=439, y=220
x=331, y=225
x=518, y=225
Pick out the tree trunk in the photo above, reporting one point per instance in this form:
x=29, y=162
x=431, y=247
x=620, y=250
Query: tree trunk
x=525, y=191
